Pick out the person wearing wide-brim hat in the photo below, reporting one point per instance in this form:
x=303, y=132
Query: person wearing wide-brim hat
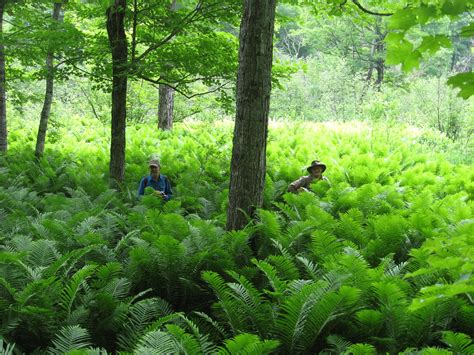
x=157, y=181
x=315, y=170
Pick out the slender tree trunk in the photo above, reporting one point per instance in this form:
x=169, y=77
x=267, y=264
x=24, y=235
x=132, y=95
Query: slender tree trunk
x=166, y=97
x=368, y=77
x=248, y=163
x=380, y=53
x=118, y=45
x=3, y=97
x=380, y=67
x=165, y=107
x=48, y=97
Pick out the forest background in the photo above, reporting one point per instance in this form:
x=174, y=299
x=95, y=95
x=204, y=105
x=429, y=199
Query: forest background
x=376, y=261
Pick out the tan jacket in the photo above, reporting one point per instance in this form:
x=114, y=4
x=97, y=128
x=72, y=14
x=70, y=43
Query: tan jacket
x=303, y=182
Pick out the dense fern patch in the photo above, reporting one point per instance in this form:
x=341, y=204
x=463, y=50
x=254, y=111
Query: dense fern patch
x=379, y=260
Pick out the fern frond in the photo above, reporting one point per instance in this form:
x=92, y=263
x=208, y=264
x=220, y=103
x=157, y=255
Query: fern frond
x=69, y=293
x=361, y=349
x=185, y=342
x=140, y=316
x=269, y=224
x=206, y=346
x=459, y=343
x=278, y=285
x=157, y=342
x=324, y=245
x=253, y=305
x=70, y=338
x=106, y=273
x=311, y=268
x=87, y=225
x=304, y=315
x=118, y=288
x=248, y=344
x=337, y=344
x=290, y=211
x=226, y=302
x=211, y=326
x=43, y=253
x=72, y=257
x=5, y=348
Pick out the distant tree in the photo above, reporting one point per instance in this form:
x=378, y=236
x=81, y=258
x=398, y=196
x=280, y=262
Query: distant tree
x=173, y=48
x=165, y=107
x=48, y=97
x=3, y=98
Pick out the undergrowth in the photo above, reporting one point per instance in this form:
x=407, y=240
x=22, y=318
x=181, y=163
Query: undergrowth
x=379, y=260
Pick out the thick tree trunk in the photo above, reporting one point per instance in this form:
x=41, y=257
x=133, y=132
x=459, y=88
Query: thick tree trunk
x=3, y=97
x=165, y=107
x=248, y=164
x=48, y=97
x=118, y=45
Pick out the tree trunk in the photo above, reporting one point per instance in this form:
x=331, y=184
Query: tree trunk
x=368, y=77
x=380, y=67
x=118, y=45
x=380, y=52
x=48, y=97
x=165, y=107
x=3, y=98
x=166, y=97
x=248, y=163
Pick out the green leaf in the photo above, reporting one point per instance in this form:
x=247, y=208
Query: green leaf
x=468, y=30
x=454, y=7
x=425, y=13
x=400, y=51
x=465, y=82
x=403, y=19
x=432, y=44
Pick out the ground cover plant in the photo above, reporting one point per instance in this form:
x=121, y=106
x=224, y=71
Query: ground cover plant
x=379, y=260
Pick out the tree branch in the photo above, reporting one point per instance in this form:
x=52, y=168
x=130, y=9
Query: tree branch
x=187, y=19
x=175, y=87
x=71, y=63
x=357, y=3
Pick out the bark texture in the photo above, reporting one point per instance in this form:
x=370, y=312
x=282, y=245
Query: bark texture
x=248, y=163
x=48, y=97
x=118, y=45
x=3, y=97
x=165, y=107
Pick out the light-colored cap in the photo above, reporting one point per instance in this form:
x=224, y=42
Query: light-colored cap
x=154, y=162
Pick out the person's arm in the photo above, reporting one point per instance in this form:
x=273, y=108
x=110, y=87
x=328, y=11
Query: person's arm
x=168, y=192
x=295, y=185
x=141, y=187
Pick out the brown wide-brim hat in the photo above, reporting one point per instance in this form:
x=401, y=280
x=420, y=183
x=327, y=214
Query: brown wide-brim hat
x=314, y=164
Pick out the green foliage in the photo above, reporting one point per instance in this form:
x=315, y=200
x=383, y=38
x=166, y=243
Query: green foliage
x=70, y=338
x=248, y=344
x=401, y=50
x=378, y=256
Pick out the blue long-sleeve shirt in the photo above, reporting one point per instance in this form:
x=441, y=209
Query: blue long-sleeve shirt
x=162, y=184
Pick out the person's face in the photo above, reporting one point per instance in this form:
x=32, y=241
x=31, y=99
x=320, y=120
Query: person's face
x=154, y=170
x=316, y=171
